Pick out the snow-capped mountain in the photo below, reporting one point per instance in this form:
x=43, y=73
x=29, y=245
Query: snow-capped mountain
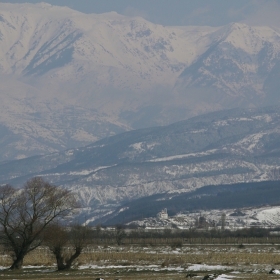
x=240, y=68
x=68, y=78
x=232, y=146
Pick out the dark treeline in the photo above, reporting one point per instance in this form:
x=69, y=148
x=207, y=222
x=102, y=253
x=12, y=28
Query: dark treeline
x=120, y=235
x=140, y=233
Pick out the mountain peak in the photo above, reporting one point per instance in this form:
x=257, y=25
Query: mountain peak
x=127, y=71
x=238, y=25
x=250, y=39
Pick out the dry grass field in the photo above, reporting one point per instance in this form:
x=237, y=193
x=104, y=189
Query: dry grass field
x=154, y=262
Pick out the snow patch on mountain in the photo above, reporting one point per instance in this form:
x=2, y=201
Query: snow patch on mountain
x=250, y=143
x=209, y=152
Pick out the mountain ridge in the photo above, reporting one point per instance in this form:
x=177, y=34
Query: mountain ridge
x=82, y=77
x=225, y=147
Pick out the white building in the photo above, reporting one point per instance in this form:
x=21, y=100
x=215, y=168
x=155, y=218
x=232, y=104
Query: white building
x=163, y=214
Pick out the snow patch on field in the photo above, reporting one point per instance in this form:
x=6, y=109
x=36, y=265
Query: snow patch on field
x=225, y=277
x=136, y=267
x=205, y=267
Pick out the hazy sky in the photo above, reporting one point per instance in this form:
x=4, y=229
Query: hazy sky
x=179, y=12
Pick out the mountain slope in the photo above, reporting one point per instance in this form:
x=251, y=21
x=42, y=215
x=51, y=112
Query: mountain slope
x=239, y=69
x=225, y=147
x=89, y=63
x=69, y=78
x=201, y=201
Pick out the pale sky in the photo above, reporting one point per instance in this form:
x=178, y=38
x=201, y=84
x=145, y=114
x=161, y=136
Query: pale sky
x=179, y=12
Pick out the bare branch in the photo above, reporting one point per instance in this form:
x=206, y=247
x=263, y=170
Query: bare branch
x=26, y=213
x=57, y=237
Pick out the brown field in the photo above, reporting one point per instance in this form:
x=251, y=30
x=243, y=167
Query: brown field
x=251, y=261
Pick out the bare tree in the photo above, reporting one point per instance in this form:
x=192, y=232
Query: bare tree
x=26, y=213
x=119, y=234
x=57, y=237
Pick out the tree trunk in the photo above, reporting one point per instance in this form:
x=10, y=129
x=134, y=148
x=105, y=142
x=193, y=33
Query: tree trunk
x=59, y=258
x=60, y=263
x=73, y=257
x=17, y=264
x=63, y=264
